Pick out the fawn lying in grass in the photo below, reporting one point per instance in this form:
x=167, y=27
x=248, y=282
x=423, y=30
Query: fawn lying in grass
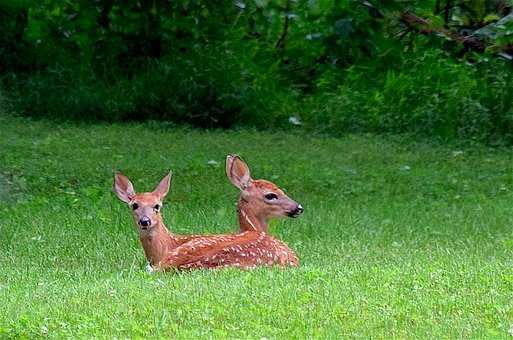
x=165, y=250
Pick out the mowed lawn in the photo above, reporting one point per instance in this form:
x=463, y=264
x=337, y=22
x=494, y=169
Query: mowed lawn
x=398, y=239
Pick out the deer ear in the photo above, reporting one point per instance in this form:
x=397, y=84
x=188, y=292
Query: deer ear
x=123, y=187
x=163, y=188
x=237, y=172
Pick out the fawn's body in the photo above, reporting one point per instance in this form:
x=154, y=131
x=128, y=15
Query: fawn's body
x=252, y=247
x=248, y=249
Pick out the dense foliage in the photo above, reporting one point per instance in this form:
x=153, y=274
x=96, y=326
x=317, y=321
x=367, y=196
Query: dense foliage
x=435, y=67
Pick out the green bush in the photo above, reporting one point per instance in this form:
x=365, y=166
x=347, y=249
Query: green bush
x=432, y=94
x=340, y=66
x=206, y=90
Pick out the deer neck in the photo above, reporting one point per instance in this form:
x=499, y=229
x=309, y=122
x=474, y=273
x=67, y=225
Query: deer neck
x=249, y=219
x=157, y=243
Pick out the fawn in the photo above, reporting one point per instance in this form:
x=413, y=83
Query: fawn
x=165, y=250
x=259, y=199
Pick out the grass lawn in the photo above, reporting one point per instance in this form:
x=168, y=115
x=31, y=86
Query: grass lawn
x=398, y=239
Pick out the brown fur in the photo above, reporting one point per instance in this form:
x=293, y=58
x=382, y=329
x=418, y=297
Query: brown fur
x=165, y=250
x=254, y=210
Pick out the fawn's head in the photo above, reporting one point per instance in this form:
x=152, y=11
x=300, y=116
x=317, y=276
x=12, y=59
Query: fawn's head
x=265, y=198
x=145, y=206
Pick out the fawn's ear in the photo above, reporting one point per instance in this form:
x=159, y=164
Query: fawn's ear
x=123, y=187
x=163, y=188
x=237, y=172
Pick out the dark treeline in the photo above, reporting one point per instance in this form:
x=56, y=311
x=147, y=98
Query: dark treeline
x=438, y=68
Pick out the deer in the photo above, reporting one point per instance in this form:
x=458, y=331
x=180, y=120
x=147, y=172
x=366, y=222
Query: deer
x=165, y=250
x=259, y=199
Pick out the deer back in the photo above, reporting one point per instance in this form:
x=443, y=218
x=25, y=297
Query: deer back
x=245, y=250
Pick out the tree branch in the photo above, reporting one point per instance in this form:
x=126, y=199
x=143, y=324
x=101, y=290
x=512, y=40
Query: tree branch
x=423, y=26
x=280, y=44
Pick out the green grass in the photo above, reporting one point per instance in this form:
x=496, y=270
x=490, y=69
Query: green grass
x=399, y=238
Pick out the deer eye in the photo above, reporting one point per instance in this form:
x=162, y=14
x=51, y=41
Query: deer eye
x=271, y=197
x=156, y=207
x=135, y=206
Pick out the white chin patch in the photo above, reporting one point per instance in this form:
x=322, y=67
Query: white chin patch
x=149, y=268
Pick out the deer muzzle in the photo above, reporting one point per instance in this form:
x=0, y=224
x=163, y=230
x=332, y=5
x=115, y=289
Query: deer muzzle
x=145, y=222
x=297, y=211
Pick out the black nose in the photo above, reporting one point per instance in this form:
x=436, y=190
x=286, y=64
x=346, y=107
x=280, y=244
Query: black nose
x=299, y=209
x=145, y=221
x=296, y=212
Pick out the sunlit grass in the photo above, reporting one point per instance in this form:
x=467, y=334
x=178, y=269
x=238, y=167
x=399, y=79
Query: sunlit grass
x=398, y=239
